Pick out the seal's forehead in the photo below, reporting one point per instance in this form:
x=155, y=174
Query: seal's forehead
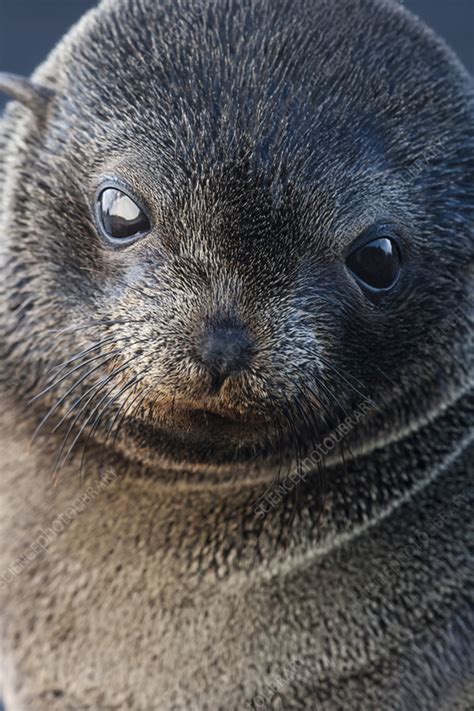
x=203, y=47
x=302, y=81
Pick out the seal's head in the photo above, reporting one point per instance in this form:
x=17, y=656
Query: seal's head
x=227, y=224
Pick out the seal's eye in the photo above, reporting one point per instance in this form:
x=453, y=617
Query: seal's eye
x=376, y=264
x=120, y=217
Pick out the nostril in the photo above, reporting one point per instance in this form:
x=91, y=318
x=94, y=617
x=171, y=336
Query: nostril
x=225, y=350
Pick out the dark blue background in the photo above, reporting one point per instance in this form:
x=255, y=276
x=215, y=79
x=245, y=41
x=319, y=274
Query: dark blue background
x=29, y=28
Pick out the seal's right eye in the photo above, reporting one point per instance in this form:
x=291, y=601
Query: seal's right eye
x=120, y=218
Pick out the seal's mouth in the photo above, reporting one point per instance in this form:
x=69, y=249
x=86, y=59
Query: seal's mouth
x=209, y=418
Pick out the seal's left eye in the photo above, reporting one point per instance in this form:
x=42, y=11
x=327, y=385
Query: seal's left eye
x=376, y=264
x=120, y=217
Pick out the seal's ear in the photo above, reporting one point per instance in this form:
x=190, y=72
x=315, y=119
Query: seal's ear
x=32, y=95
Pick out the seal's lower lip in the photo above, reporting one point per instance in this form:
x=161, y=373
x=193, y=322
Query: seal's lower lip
x=214, y=417
x=191, y=417
x=209, y=419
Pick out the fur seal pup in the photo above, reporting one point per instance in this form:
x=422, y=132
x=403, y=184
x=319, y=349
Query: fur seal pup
x=237, y=243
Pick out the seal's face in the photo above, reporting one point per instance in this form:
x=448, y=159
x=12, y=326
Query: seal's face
x=238, y=221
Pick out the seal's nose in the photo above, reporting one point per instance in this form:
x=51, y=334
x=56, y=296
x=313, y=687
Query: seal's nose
x=225, y=350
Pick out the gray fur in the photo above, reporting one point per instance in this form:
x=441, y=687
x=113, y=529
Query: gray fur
x=264, y=137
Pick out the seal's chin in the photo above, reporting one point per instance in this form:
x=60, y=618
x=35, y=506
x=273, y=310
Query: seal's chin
x=215, y=431
x=206, y=431
x=219, y=435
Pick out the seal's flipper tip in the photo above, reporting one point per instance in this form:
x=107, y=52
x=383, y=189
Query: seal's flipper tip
x=30, y=94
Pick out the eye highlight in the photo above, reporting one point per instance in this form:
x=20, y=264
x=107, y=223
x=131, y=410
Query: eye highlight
x=120, y=218
x=376, y=264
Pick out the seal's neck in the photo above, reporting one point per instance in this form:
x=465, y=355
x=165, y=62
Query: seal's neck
x=243, y=521
x=318, y=509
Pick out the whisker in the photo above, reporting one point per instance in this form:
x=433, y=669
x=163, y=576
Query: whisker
x=93, y=324
x=68, y=392
x=74, y=405
x=336, y=371
x=86, y=351
x=68, y=374
x=127, y=411
x=111, y=340
x=60, y=464
x=135, y=380
x=340, y=375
